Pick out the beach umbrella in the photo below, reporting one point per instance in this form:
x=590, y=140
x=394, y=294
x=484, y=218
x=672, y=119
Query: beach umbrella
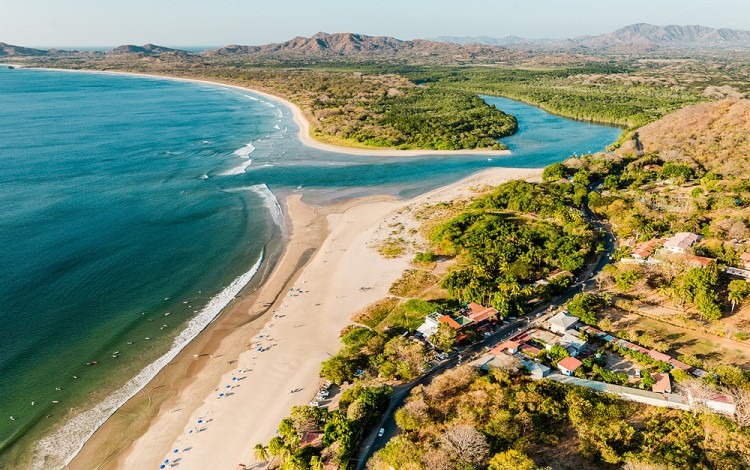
x=162, y=466
x=176, y=450
x=200, y=421
x=234, y=378
x=228, y=386
x=221, y=394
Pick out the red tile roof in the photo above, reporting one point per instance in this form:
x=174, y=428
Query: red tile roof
x=502, y=347
x=680, y=365
x=644, y=250
x=480, y=313
x=657, y=356
x=450, y=322
x=699, y=260
x=570, y=363
x=529, y=349
x=663, y=383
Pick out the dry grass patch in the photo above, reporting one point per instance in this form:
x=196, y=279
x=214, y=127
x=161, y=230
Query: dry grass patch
x=374, y=314
x=412, y=282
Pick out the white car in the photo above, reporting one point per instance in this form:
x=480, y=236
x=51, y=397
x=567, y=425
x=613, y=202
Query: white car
x=314, y=403
x=381, y=432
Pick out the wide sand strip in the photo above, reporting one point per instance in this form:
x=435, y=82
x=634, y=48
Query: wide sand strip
x=301, y=331
x=304, y=124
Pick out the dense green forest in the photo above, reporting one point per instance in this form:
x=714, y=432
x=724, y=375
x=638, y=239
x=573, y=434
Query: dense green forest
x=568, y=92
x=503, y=421
x=508, y=239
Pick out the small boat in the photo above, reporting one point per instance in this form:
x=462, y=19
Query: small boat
x=55, y=401
x=147, y=338
x=75, y=376
x=130, y=342
x=115, y=353
x=168, y=314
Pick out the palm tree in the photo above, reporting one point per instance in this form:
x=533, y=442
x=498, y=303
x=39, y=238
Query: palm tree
x=316, y=463
x=260, y=452
x=735, y=297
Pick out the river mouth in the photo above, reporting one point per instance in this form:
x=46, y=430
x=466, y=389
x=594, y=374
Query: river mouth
x=125, y=225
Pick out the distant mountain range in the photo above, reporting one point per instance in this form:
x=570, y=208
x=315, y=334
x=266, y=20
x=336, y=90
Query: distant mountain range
x=637, y=37
x=634, y=38
x=360, y=46
x=146, y=49
x=9, y=50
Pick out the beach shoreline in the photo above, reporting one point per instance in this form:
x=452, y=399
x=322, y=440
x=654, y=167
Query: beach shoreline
x=323, y=264
x=181, y=376
x=300, y=119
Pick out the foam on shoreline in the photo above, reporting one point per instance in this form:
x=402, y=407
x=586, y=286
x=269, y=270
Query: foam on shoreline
x=271, y=203
x=59, y=448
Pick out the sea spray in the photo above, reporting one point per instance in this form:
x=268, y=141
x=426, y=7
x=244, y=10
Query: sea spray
x=270, y=202
x=243, y=152
x=59, y=448
x=238, y=170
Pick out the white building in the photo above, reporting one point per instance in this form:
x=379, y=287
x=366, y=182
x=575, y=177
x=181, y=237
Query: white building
x=680, y=242
x=562, y=322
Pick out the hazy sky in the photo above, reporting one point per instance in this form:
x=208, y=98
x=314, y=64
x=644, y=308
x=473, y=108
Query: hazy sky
x=219, y=22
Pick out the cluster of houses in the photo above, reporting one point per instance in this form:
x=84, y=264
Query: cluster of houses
x=678, y=244
x=566, y=331
x=473, y=315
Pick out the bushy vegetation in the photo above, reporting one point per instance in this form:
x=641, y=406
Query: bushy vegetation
x=499, y=421
x=567, y=92
x=384, y=355
x=358, y=409
x=512, y=237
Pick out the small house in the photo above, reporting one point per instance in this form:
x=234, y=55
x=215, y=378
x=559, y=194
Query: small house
x=569, y=365
x=480, y=314
x=745, y=260
x=562, y=322
x=663, y=383
x=680, y=242
x=536, y=370
x=506, y=346
x=645, y=249
x=573, y=343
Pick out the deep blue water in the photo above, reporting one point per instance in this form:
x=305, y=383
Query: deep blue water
x=124, y=198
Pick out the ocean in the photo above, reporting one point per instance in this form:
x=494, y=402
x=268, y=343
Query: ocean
x=134, y=209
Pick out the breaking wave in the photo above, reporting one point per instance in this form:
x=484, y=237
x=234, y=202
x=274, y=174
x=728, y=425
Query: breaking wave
x=59, y=448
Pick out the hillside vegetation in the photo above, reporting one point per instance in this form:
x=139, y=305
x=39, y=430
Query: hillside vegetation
x=711, y=136
x=465, y=421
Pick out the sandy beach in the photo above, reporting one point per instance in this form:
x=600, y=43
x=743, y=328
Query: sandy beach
x=222, y=395
x=303, y=123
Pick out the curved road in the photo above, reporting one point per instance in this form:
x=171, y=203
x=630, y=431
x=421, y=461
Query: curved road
x=372, y=443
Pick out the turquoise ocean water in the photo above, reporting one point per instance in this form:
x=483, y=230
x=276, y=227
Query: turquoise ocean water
x=127, y=204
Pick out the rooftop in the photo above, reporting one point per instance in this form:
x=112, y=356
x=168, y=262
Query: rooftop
x=450, y=322
x=644, y=250
x=682, y=240
x=563, y=320
x=663, y=383
x=570, y=363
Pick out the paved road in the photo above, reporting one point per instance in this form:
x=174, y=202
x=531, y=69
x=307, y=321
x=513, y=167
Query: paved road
x=373, y=443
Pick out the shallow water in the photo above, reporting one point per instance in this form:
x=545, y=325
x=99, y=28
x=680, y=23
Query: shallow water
x=124, y=199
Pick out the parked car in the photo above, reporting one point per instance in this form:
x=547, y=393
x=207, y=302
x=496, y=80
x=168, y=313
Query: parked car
x=381, y=432
x=314, y=403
